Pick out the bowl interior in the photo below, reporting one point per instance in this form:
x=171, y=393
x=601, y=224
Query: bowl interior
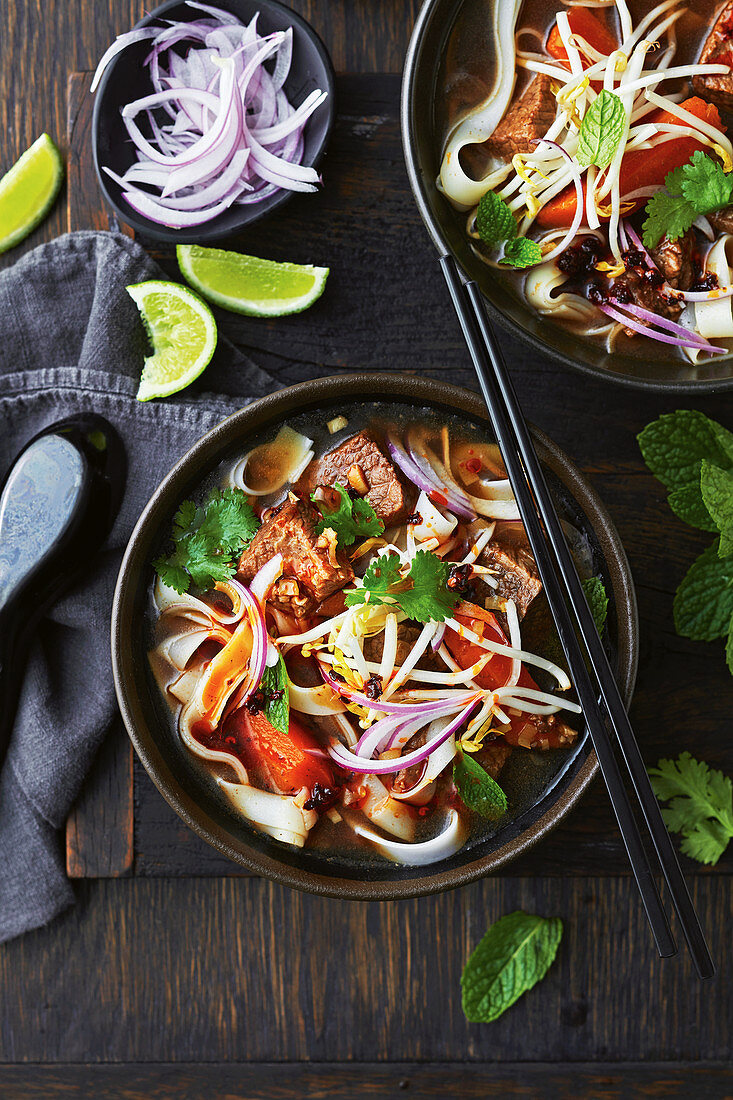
x=126, y=79
x=423, y=138
x=179, y=777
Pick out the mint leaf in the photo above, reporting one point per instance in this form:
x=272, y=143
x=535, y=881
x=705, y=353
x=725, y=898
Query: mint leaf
x=494, y=220
x=595, y=594
x=601, y=130
x=352, y=519
x=276, y=692
x=705, y=184
x=700, y=805
x=687, y=503
x=521, y=252
x=703, y=603
x=717, y=493
x=674, y=445
x=515, y=954
x=207, y=541
x=477, y=789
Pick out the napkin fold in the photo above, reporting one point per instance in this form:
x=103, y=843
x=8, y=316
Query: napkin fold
x=70, y=341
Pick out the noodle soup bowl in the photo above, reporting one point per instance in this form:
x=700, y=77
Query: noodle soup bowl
x=424, y=127
x=180, y=777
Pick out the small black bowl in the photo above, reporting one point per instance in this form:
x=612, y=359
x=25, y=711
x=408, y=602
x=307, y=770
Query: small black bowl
x=126, y=79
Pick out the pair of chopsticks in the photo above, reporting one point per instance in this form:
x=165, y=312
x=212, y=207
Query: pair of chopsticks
x=594, y=681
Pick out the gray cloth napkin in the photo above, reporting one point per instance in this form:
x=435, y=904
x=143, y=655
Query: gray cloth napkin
x=71, y=340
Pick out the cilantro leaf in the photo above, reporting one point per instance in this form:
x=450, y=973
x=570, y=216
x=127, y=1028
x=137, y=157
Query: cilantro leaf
x=207, y=541
x=521, y=252
x=595, y=594
x=601, y=130
x=477, y=789
x=700, y=805
x=515, y=954
x=716, y=486
x=674, y=445
x=274, y=686
x=494, y=220
x=703, y=603
x=352, y=519
x=423, y=594
x=698, y=187
x=705, y=184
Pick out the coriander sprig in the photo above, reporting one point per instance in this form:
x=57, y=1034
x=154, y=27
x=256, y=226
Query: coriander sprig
x=700, y=805
x=351, y=519
x=699, y=187
x=422, y=594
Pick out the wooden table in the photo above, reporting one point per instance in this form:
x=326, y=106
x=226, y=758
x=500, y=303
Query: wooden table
x=175, y=975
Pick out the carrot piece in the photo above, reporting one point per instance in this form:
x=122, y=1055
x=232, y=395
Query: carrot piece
x=586, y=25
x=641, y=167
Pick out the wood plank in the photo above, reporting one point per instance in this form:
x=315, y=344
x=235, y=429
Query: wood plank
x=369, y=1081
x=223, y=970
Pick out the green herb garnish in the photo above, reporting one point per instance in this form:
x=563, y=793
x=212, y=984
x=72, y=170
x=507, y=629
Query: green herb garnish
x=275, y=689
x=601, y=130
x=496, y=224
x=595, y=594
x=693, y=456
x=477, y=789
x=208, y=540
x=423, y=594
x=515, y=954
x=698, y=187
x=700, y=805
x=352, y=519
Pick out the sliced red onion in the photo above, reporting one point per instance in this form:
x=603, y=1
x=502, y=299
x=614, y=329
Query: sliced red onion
x=121, y=43
x=259, y=636
x=354, y=763
x=690, y=340
x=438, y=638
x=579, y=203
x=265, y=577
x=231, y=135
x=407, y=710
x=409, y=468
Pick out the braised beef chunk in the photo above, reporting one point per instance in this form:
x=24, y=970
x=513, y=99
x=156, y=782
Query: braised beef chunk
x=722, y=222
x=718, y=49
x=359, y=464
x=676, y=260
x=529, y=117
x=509, y=557
x=645, y=287
x=312, y=567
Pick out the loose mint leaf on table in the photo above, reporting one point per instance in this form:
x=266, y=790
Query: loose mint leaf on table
x=521, y=252
x=601, y=130
x=207, y=540
x=674, y=446
x=700, y=805
x=687, y=503
x=352, y=519
x=595, y=594
x=478, y=790
x=515, y=954
x=717, y=493
x=494, y=220
x=274, y=687
x=703, y=603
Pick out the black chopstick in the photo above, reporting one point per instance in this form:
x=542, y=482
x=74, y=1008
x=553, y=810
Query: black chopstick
x=533, y=497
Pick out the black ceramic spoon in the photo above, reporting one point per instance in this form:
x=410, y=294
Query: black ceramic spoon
x=57, y=506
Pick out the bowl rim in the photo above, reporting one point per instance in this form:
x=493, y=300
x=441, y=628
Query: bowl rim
x=435, y=232
x=274, y=407
x=157, y=232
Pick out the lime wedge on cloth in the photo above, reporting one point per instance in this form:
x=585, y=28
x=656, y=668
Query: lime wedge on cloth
x=182, y=331
x=28, y=190
x=247, y=284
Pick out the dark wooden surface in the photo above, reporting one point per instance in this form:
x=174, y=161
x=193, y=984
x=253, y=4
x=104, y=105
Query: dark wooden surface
x=182, y=963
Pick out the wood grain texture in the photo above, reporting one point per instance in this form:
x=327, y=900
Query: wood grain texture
x=99, y=829
x=224, y=970
x=368, y=1081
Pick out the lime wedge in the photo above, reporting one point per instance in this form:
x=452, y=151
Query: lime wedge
x=28, y=190
x=182, y=331
x=247, y=284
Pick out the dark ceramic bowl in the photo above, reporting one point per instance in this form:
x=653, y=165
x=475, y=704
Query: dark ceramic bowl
x=126, y=79
x=170, y=766
x=423, y=141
